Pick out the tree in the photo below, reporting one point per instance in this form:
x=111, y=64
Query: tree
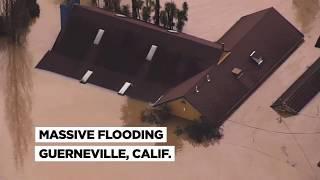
x=113, y=5
x=34, y=9
x=147, y=10
x=150, y=3
x=157, y=13
x=171, y=13
x=17, y=16
x=182, y=16
x=139, y=5
x=163, y=18
x=125, y=10
x=146, y=13
x=134, y=8
x=202, y=130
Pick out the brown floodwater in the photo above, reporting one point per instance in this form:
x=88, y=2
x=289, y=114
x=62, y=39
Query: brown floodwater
x=306, y=12
x=30, y=97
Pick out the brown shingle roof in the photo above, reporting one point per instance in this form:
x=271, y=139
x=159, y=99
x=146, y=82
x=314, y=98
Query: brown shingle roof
x=272, y=37
x=180, y=64
x=121, y=54
x=300, y=92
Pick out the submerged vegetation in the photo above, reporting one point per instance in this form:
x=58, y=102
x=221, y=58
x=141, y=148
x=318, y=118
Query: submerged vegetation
x=198, y=131
x=170, y=17
x=202, y=132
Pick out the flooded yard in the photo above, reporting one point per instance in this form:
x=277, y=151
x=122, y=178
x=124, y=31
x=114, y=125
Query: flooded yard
x=257, y=143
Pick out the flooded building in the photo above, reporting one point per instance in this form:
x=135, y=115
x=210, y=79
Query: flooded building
x=254, y=47
x=301, y=92
x=121, y=51
x=195, y=77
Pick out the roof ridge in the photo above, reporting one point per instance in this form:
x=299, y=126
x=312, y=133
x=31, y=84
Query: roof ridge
x=268, y=10
x=210, y=68
x=198, y=77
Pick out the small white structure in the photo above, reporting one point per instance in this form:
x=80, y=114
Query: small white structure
x=86, y=77
x=98, y=37
x=208, y=78
x=151, y=53
x=124, y=88
x=257, y=60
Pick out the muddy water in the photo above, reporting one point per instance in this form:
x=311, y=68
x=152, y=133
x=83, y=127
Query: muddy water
x=306, y=12
x=243, y=153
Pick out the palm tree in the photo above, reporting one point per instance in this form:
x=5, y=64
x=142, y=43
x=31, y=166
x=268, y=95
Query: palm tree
x=147, y=10
x=182, y=16
x=171, y=11
x=163, y=18
x=17, y=16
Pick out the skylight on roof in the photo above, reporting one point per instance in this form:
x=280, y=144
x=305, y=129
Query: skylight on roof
x=124, y=88
x=98, y=37
x=151, y=53
x=257, y=59
x=86, y=76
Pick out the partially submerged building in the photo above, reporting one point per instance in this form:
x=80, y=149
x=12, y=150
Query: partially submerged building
x=194, y=77
x=119, y=49
x=255, y=47
x=300, y=93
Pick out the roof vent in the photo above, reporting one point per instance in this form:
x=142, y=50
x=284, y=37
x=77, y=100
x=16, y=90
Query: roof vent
x=197, y=89
x=257, y=59
x=208, y=78
x=237, y=72
x=222, y=46
x=152, y=50
x=98, y=37
x=86, y=76
x=172, y=31
x=120, y=15
x=124, y=88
